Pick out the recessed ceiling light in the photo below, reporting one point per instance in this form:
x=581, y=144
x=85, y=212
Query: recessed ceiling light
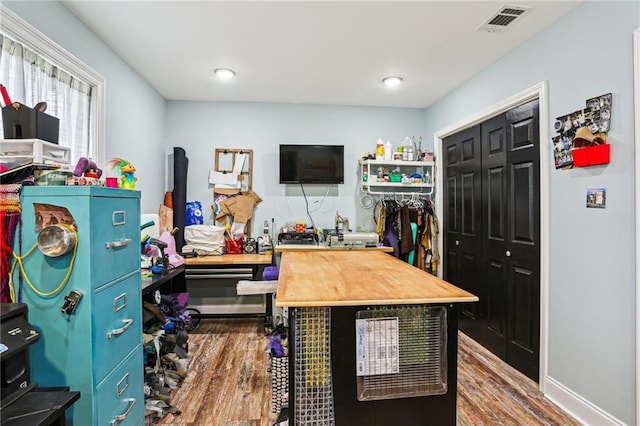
x=392, y=81
x=224, y=73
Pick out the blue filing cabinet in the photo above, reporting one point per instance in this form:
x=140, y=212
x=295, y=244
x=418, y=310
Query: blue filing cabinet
x=97, y=349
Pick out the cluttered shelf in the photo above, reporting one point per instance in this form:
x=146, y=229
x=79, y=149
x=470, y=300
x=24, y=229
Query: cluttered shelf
x=173, y=281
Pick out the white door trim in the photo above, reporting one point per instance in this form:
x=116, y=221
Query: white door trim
x=636, y=107
x=539, y=91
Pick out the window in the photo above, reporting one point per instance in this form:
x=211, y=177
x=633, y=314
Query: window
x=34, y=69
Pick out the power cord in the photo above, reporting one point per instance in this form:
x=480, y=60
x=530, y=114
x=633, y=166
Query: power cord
x=306, y=201
x=19, y=261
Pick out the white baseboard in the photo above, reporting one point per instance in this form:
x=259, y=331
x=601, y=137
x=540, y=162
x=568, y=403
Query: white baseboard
x=578, y=407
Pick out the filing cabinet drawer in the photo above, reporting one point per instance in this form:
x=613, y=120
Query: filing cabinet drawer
x=120, y=395
x=114, y=252
x=117, y=323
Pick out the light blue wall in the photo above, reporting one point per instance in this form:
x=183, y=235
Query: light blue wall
x=201, y=127
x=592, y=285
x=587, y=53
x=135, y=112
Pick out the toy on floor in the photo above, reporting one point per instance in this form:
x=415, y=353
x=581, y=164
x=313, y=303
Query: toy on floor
x=127, y=170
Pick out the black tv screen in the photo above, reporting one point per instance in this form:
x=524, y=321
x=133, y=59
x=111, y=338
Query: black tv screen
x=311, y=164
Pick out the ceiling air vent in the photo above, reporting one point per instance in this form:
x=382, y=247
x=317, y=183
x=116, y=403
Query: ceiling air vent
x=503, y=19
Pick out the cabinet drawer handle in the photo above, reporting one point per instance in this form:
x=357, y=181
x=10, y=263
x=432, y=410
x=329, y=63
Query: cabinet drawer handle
x=120, y=243
x=121, y=417
x=118, y=331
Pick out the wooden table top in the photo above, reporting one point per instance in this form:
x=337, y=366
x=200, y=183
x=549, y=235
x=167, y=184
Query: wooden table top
x=231, y=259
x=281, y=248
x=359, y=278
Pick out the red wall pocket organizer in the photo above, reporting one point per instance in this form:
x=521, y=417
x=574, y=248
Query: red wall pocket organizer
x=581, y=139
x=592, y=155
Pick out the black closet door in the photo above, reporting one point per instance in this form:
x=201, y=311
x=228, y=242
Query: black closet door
x=492, y=225
x=523, y=245
x=463, y=244
x=494, y=233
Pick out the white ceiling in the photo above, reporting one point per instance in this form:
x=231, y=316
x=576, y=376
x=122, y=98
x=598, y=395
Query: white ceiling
x=317, y=52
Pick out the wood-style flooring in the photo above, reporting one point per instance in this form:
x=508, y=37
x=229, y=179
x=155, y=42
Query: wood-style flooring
x=228, y=383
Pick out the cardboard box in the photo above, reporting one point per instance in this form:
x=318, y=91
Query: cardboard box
x=21, y=122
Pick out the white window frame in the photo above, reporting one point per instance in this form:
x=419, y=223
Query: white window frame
x=21, y=31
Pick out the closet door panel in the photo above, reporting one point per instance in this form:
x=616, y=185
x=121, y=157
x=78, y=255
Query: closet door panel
x=496, y=208
x=470, y=205
x=494, y=233
x=496, y=331
x=461, y=220
x=523, y=203
x=523, y=302
x=523, y=244
x=453, y=218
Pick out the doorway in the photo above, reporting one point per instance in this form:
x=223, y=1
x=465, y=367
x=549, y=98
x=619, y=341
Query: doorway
x=492, y=232
x=539, y=92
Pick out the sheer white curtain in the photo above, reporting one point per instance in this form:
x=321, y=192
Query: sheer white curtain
x=30, y=78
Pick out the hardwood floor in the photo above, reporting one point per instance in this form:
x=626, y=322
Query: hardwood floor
x=228, y=383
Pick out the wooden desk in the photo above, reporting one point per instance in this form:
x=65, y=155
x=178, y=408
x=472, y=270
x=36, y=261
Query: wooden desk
x=326, y=292
x=230, y=259
x=212, y=280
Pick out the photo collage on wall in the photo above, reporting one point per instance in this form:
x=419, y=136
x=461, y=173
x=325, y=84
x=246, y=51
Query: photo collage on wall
x=583, y=128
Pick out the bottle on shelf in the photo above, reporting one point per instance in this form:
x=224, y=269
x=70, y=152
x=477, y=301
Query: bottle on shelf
x=379, y=150
x=388, y=151
x=407, y=149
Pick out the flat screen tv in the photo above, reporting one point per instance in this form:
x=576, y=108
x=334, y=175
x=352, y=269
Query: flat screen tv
x=312, y=164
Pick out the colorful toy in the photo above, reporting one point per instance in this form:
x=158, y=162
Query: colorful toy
x=87, y=168
x=127, y=170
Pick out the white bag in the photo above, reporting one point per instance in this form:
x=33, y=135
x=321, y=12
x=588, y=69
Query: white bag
x=204, y=239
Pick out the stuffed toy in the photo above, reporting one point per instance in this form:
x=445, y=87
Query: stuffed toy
x=127, y=177
x=87, y=168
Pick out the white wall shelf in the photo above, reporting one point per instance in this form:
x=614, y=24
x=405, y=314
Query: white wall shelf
x=372, y=185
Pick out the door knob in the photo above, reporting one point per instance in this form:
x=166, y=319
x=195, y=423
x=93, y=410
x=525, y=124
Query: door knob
x=508, y=253
x=457, y=242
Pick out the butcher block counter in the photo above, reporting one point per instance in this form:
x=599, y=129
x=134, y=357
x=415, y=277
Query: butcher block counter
x=372, y=340
x=351, y=278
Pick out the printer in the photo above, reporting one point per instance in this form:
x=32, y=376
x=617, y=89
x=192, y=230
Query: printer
x=23, y=402
x=16, y=337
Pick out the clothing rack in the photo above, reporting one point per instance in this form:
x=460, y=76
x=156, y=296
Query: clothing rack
x=411, y=198
x=413, y=241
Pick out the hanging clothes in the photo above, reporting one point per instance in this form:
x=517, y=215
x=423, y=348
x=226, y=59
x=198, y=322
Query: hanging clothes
x=390, y=237
x=428, y=253
x=11, y=218
x=406, y=236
